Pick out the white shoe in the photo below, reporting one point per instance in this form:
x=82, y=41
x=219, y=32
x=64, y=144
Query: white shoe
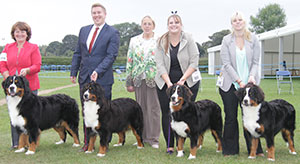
x=75, y=145
x=134, y=144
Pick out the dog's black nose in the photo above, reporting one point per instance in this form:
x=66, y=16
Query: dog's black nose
x=85, y=96
x=173, y=98
x=245, y=101
x=12, y=89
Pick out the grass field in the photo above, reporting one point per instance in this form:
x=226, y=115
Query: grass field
x=48, y=152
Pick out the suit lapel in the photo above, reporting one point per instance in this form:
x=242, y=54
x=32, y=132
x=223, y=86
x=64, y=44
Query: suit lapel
x=86, y=35
x=100, y=36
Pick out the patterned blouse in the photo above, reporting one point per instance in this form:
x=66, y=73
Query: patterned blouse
x=140, y=61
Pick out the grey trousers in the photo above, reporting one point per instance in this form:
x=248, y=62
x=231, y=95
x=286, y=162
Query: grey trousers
x=14, y=132
x=148, y=99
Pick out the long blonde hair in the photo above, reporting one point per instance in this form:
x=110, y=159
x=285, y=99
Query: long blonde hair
x=164, y=39
x=239, y=15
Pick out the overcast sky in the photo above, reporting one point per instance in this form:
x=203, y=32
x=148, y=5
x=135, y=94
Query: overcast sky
x=52, y=20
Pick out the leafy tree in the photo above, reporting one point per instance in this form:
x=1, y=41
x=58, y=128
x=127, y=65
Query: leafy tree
x=201, y=50
x=268, y=18
x=43, y=50
x=1, y=48
x=54, y=48
x=69, y=43
x=127, y=30
x=215, y=40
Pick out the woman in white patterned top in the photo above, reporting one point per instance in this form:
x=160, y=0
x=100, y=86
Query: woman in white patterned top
x=141, y=70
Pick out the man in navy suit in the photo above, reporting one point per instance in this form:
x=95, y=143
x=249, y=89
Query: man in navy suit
x=97, y=49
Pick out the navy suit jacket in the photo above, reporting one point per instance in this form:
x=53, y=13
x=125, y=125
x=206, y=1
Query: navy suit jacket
x=101, y=58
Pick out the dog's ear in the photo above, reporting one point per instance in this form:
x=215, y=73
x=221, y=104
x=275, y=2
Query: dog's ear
x=240, y=93
x=25, y=83
x=5, y=83
x=188, y=93
x=169, y=90
x=260, y=95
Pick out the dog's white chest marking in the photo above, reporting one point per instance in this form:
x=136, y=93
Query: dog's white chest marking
x=15, y=118
x=250, y=118
x=175, y=96
x=90, y=114
x=179, y=127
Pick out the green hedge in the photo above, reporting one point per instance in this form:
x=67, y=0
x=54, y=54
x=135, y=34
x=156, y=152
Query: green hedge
x=55, y=60
x=121, y=60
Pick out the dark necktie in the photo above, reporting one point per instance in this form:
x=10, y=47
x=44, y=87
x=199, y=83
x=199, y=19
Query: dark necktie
x=92, y=41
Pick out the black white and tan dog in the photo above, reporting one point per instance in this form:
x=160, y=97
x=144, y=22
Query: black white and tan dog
x=104, y=117
x=266, y=119
x=31, y=114
x=192, y=119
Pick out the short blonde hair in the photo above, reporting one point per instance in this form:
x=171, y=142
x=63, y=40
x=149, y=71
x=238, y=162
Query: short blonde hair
x=239, y=15
x=23, y=27
x=98, y=5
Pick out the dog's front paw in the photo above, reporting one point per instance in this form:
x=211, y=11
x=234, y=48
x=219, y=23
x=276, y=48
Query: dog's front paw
x=191, y=157
x=29, y=152
x=59, y=142
x=140, y=147
x=100, y=155
x=21, y=150
x=251, y=157
x=180, y=153
x=118, y=144
x=294, y=153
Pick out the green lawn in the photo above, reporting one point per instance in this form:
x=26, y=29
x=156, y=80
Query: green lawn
x=48, y=152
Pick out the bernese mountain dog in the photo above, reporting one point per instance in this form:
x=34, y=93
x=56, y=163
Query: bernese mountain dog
x=266, y=119
x=31, y=114
x=192, y=119
x=104, y=117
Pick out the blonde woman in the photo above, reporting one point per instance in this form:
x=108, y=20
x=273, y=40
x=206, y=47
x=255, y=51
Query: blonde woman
x=176, y=59
x=141, y=70
x=240, y=54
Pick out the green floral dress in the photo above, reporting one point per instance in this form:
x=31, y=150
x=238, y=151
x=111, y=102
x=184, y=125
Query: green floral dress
x=140, y=61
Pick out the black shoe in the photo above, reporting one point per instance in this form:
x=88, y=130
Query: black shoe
x=84, y=148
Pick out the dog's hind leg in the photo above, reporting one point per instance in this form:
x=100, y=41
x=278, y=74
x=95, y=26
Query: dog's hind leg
x=218, y=138
x=74, y=133
x=23, y=140
x=200, y=141
x=62, y=134
x=288, y=136
x=139, y=138
x=121, y=139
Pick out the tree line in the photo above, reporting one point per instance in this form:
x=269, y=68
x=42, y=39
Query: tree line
x=268, y=18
